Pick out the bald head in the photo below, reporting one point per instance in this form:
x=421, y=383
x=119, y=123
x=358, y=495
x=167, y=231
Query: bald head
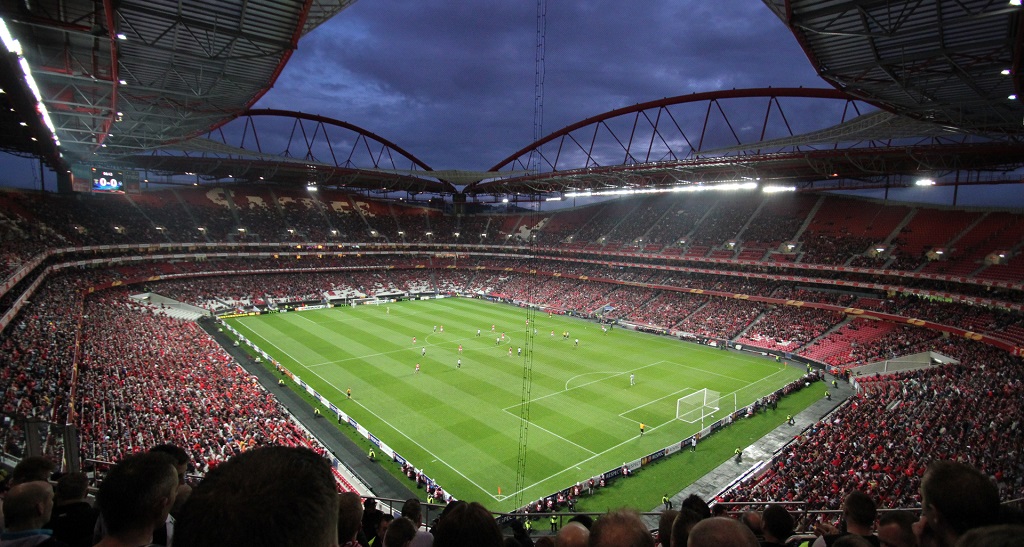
x=573, y=534
x=721, y=532
x=28, y=506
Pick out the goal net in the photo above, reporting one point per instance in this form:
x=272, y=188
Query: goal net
x=696, y=406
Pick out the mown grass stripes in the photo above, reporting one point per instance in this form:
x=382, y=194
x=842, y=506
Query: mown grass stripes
x=461, y=425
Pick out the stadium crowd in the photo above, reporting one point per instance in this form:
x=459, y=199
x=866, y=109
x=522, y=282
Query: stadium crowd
x=882, y=440
x=657, y=225
x=169, y=383
x=173, y=384
x=286, y=497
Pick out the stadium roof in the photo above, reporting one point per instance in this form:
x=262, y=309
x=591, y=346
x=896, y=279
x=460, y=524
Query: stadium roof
x=124, y=76
x=953, y=63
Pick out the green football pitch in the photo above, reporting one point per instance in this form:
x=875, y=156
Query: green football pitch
x=461, y=425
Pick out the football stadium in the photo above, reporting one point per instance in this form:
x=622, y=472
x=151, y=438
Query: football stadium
x=724, y=317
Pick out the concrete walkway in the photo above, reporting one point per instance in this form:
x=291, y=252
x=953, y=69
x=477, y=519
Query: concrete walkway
x=761, y=451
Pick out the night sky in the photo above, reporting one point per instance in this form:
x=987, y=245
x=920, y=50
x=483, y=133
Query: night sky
x=453, y=82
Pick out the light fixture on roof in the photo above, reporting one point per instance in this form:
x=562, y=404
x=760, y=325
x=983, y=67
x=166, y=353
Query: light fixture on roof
x=1014, y=2
x=14, y=46
x=777, y=189
x=1012, y=96
x=121, y=36
x=1005, y=72
x=123, y=82
x=925, y=182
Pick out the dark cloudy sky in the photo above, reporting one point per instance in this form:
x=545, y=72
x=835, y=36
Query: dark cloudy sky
x=453, y=82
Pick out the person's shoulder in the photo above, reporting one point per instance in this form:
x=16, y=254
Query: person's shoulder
x=422, y=539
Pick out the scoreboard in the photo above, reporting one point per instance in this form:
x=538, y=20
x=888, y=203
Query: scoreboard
x=107, y=180
x=104, y=180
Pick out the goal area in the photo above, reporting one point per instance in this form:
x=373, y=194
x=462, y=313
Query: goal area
x=693, y=408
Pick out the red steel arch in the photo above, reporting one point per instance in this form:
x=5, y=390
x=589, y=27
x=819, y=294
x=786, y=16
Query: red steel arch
x=809, y=137
x=711, y=97
x=310, y=140
x=298, y=148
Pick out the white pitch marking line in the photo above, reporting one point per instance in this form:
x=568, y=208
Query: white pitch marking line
x=631, y=439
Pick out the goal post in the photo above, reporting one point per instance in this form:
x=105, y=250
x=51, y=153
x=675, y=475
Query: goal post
x=693, y=408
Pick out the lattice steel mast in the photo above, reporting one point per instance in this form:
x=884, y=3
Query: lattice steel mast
x=531, y=312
